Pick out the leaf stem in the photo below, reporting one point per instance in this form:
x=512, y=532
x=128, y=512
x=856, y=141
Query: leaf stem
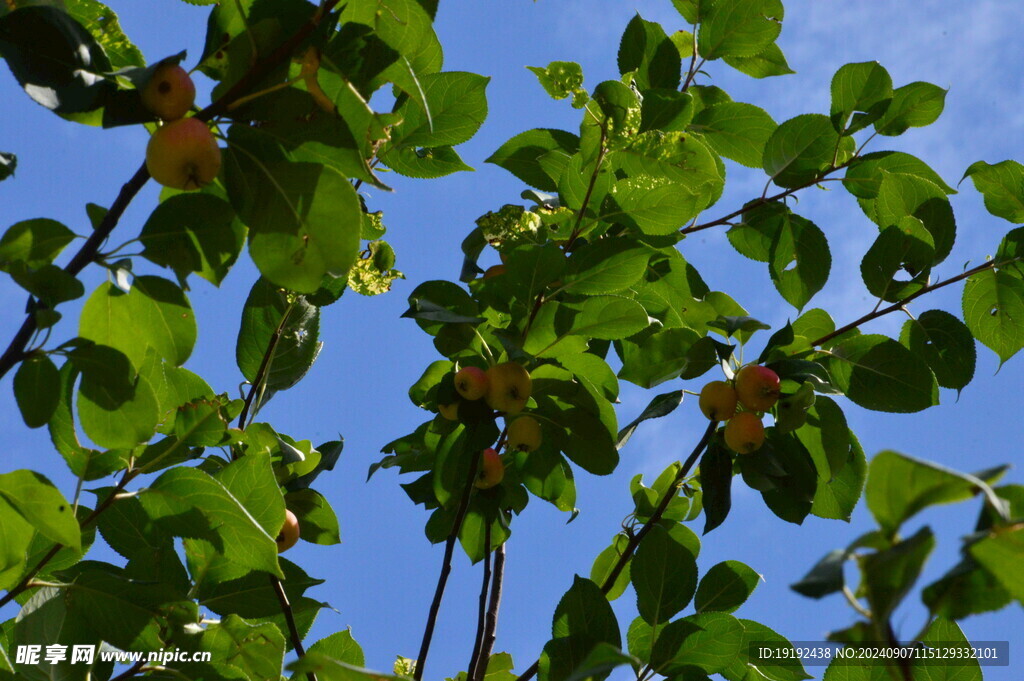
x=446, y=568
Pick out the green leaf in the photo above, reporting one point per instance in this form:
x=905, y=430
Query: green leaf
x=661, y=356
x=267, y=309
x=662, y=405
x=100, y=21
x=55, y=60
x=458, y=107
x=945, y=343
x=664, y=575
x=8, y=164
x=878, y=373
x=993, y=306
x=584, y=612
x=255, y=649
x=736, y=130
x=521, y=155
x=250, y=480
x=599, y=663
x=890, y=574
x=801, y=149
x=863, y=91
x=900, y=486
x=547, y=475
x=1002, y=185
x=188, y=503
x=913, y=106
x=609, y=318
x=966, y=589
x=608, y=265
x=725, y=587
x=716, y=485
x=647, y=53
x=329, y=669
x=37, y=389
x=666, y=110
x=785, y=667
x=768, y=62
x=42, y=505
x=406, y=27
x=193, y=232
x=340, y=646
x=946, y=635
x=826, y=577
x=561, y=79
x=304, y=219
x=606, y=561
x=424, y=163
x=901, y=195
x=865, y=174
x=739, y=28
x=49, y=283
x=116, y=407
x=154, y=314
x=905, y=249
x=15, y=535
x=709, y=641
x=317, y=522
x=34, y=242
x=1000, y=554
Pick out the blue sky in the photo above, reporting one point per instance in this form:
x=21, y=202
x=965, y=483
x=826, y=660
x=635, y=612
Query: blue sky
x=381, y=578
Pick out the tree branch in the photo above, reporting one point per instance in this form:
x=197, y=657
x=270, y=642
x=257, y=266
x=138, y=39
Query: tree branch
x=264, y=370
x=15, y=351
x=900, y=304
x=289, y=617
x=762, y=200
x=490, y=630
x=635, y=540
x=474, y=658
x=446, y=568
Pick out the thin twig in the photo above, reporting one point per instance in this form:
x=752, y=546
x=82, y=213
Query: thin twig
x=474, y=658
x=446, y=568
x=900, y=304
x=289, y=617
x=491, y=628
x=635, y=540
x=15, y=351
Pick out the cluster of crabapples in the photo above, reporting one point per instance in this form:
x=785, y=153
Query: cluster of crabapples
x=756, y=389
x=504, y=388
x=182, y=153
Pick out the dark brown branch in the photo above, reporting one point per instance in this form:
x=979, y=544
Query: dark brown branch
x=474, y=658
x=724, y=220
x=15, y=351
x=446, y=568
x=25, y=583
x=900, y=304
x=490, y=630
x=289, y=617
x=635, y=540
